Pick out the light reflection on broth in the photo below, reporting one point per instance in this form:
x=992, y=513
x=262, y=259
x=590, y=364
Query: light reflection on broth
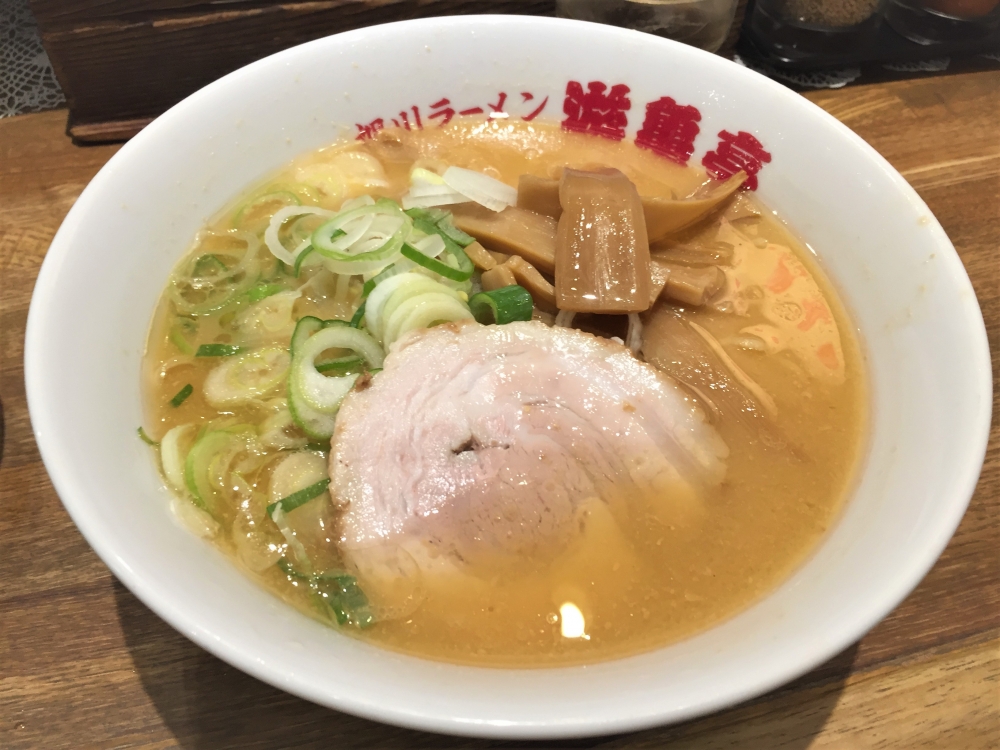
x=640, y=570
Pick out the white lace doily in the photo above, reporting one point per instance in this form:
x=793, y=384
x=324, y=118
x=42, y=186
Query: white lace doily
x=920, y=66
x=27, y=83
x=828, y=78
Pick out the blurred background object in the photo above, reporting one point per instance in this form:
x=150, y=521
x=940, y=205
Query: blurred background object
x=816, y=26
x=934, y=21
x=123, y=62
x=701, y=23
x=873, y=39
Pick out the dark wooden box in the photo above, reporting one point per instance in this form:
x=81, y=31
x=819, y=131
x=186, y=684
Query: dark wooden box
x=122, y=62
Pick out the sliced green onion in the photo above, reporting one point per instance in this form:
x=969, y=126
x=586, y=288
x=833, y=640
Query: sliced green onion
x=289, y=570
x=427, y=227
x=349, y=256
x=503, y=305
x=217, y=350
x=463, y=266
x=318, y=391
x=146, y=438
x=337, y=591
x=393, y=292
x=346, y=599
x=273, y=432
x=433, y=215
x=301, y=257
x=181, y=395
x=277, y=222
x=386, y=273
x=453, y=233
x=340, y=365
x=305, y=327
x=324, y=236
x=359, y=314
x=178, y=337
x=265, y=206
x=173, y=450
x=200, y=459
x=422, y=311
x=306, y=384
x=247, y=376
x=301, y=497
x=321, y=447
x=205, y=285
x=206, y=263
x=263, y=291
x=433, y=264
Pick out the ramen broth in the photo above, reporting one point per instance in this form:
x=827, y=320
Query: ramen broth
x=640, y=574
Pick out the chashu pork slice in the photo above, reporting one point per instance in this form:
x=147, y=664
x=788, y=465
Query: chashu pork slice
x=485, y=440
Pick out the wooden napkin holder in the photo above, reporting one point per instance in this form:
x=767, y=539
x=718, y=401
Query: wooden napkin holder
x=123, y=62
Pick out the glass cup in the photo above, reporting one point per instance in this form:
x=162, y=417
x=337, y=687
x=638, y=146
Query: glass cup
x=934, y=21
x=794, y=27
x=701, y=23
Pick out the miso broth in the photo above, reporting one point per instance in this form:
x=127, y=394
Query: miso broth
x=637, y=573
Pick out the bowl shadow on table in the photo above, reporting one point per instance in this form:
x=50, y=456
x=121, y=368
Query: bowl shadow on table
x=208, y=705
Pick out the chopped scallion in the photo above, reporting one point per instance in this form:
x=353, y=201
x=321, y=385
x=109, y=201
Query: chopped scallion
x=463, y=268
x=453, y=233
x=348, y=602
x=301, y=257
x=386, y=273
x=262, y=291
x=503, y=305
x=301, y=497
x=439, y=267
x=179, y=332
x=336, y=593
x=146, y=438
x=433, y=215
x=218, y=350
x=340, y=365
x=289, y=570
x=207, y=263
x=182, y=395
x=359, y=315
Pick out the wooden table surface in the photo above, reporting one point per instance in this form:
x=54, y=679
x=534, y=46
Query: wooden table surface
x=84, y=664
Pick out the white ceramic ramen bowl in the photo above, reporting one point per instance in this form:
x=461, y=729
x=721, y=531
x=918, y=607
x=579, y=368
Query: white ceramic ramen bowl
x=922, y=330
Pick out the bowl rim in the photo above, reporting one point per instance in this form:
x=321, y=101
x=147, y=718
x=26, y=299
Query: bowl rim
x=186, y=622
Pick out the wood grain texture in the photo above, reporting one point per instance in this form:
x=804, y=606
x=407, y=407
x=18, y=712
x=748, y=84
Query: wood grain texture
x=83, y=664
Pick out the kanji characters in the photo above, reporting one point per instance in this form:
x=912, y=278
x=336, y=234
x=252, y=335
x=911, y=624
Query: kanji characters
x=598, y=110
x=368, y=131
x=736, y=152
x=669, y=129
